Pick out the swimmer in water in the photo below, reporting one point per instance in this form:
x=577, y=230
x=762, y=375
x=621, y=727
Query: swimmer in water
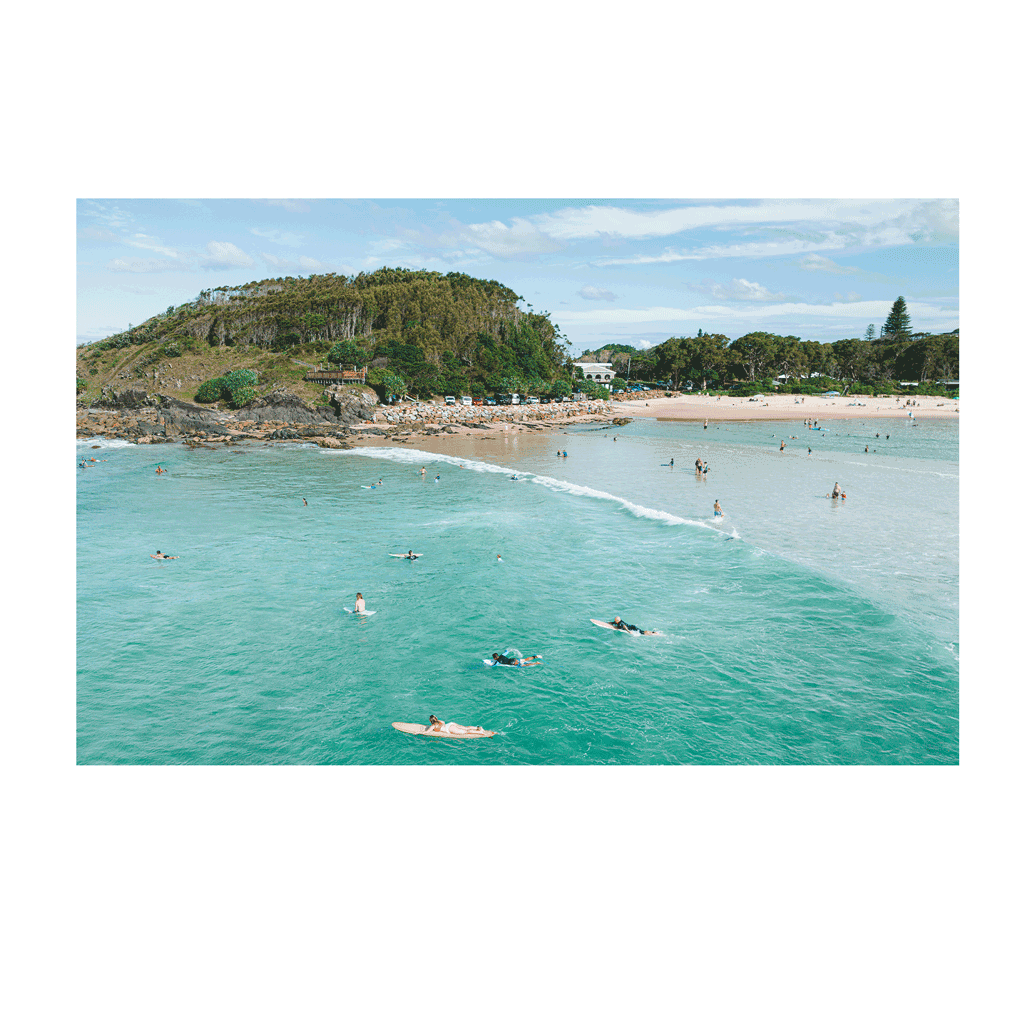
x=498, y=557
x=162, y=556
x=437, y=478
x=411, y=555
x=718, y=512
x=304, y=501
x=422, y=470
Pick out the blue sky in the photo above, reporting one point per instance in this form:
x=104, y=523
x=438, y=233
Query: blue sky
x=607, y=270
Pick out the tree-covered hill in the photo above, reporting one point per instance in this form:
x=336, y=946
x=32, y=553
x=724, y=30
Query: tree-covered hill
x=419, y=331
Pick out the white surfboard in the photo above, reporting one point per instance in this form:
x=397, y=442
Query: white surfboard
x=363, y=613
x=404, y=555
x=403, y=726
x=607, y=624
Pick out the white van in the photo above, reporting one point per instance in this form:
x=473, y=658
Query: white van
x=465, y=401
x=515, y=398
x=450, y=401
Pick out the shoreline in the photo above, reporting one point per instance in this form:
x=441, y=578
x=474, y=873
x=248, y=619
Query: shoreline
x=155, y=421
x=786, y=407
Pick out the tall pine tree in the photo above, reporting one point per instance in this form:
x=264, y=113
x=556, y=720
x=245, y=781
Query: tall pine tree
x=898, y=322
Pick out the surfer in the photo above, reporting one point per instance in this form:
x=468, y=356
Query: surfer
x=162, y=556
x=625, y=627
x=672, y=464
x=304, y=501
x=498, y=557
x=451, y=727
x=503, y=658
x=358, y=604
x=718, y=512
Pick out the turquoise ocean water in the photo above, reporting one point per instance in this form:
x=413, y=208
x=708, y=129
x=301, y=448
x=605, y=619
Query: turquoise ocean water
x=798, y=630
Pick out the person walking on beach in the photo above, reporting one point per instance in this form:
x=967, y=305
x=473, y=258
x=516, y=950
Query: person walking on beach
x=358, y=604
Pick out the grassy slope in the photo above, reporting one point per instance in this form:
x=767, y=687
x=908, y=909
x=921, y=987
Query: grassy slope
x=135, y=366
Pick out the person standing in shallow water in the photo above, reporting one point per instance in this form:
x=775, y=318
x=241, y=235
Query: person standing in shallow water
x=718, y=512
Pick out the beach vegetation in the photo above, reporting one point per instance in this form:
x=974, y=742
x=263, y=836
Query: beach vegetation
x=237, y=388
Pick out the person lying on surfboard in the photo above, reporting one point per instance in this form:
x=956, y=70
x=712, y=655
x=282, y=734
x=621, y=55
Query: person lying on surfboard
x=625, y=627
x=503, y=658
x=435, y=725
x=162, y=556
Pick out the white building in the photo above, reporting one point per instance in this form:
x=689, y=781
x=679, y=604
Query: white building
x=602, y=373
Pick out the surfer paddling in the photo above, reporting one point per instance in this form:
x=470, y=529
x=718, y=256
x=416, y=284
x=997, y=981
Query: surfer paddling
x=623, y=626
x=162, y=556
x=512, y=661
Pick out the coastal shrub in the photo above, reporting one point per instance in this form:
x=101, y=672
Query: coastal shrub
x=241, y=396
x=209, y=391
x=80, y=384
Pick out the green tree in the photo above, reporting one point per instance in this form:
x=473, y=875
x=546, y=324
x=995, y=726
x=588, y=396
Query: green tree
x=898, y=322
x=869, y=335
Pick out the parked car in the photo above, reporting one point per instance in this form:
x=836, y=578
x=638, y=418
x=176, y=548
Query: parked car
x=465, y=401
x=532, y=399
x=450, y=401
x=477, y=401
x=490, y=402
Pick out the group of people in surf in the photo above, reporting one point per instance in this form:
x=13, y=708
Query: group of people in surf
x=562, y=453
x=702, y=467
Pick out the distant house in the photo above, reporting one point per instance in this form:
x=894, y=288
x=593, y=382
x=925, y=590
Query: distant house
x=602, y=373
x=831, y=392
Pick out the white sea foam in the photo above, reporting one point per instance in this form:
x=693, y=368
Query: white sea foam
x=103, y=443
x=556, y=485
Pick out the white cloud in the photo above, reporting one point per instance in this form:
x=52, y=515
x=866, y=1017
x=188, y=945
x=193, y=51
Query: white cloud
x=737, y=289
x=595, y=293
x=145, y=242
x=143, y=266
x=225, y=255
x=768, y=248
x=277, y=236
x=848, y=298
x=520, y=238
x=297, y=206
x=870, y=309
x=929, y=218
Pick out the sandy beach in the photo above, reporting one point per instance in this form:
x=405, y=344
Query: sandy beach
x=785, y=407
